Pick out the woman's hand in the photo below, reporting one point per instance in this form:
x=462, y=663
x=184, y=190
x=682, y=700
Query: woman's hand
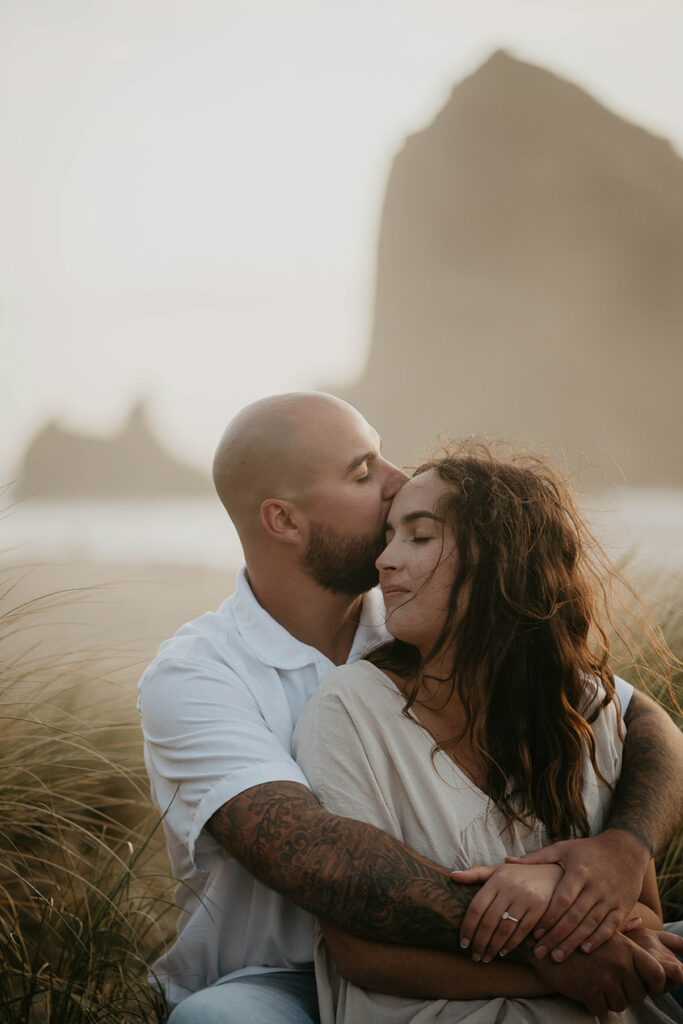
x=603, y=877
x=507, y=907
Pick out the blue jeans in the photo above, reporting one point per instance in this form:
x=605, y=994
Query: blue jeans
x=280, y=997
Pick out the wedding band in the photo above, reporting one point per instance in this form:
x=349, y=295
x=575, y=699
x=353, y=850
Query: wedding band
x=508, y=917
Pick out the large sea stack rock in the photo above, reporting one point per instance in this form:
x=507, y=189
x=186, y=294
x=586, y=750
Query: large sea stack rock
x=62, y=464
x=530, y=279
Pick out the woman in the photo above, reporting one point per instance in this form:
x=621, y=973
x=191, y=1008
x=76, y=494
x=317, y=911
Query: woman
x=487, y=729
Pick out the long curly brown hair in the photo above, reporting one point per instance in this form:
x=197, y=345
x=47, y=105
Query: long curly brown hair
x=530, y=645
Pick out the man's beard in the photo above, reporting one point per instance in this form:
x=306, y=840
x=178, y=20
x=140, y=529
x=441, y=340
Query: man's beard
x=343, y=564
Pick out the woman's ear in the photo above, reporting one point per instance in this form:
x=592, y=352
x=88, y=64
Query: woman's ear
x=281, y=520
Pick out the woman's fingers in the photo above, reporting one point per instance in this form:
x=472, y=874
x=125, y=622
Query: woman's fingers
x=473, y=876
x=508, y=935
x=473, y=916
x=493, y=921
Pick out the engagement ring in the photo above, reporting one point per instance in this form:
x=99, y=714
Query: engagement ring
x=508, y=917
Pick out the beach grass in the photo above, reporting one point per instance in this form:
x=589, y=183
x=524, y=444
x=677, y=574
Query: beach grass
x=85, y=897
x=84, y=893
x=654, y=664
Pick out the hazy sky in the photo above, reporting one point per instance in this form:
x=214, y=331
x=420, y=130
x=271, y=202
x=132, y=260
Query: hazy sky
x=190, y=189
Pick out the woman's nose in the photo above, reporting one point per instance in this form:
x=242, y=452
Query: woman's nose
x=386, y=559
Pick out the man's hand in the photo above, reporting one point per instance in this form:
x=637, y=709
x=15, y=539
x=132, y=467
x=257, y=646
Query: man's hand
x=619, y=974
x=519, y=890
x=666, y=947
x=602, y=881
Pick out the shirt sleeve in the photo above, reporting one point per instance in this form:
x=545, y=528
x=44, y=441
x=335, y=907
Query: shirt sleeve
x=329, y=746
x=624, y=692
x=206, y=741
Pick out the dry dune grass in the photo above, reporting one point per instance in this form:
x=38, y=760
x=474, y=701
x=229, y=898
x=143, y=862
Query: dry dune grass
x=85, y=901
x=84, y=896
x=661, y=590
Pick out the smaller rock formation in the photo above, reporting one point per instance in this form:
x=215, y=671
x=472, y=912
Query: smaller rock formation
x=62, y=464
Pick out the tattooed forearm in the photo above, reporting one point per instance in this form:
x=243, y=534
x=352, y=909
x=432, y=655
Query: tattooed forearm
x=343, y=871
x=648, y=801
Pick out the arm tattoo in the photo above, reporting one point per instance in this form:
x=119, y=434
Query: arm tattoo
x=648, y=800
x=346, y=872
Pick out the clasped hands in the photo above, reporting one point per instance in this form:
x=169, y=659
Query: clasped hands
x=572, y=899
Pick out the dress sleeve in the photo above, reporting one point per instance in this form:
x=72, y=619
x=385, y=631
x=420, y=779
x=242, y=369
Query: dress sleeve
x=330, y=747
x=206, y=741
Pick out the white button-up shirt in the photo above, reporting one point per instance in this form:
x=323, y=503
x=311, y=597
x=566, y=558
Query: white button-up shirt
x=219, y=704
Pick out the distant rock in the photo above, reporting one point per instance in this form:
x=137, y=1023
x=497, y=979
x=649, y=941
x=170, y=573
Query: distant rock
x=530, y=279
x=133, y=464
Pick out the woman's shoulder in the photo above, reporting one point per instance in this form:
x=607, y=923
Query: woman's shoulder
x=346, y=706
x=359, y=681
x=596, y=706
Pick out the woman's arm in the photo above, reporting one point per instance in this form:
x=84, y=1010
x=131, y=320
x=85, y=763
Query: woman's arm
x=418, y=973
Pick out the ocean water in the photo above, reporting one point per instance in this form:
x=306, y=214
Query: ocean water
x=198, y=532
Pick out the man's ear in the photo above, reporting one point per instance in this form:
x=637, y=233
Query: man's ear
x=281, y=520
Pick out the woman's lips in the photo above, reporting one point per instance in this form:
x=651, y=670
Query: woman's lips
x=393, y=592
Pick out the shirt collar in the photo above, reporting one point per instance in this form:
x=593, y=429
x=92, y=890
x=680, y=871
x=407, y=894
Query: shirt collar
x=274, y=646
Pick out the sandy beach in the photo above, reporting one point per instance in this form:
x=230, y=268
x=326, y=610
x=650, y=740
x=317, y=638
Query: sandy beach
x=118, y=613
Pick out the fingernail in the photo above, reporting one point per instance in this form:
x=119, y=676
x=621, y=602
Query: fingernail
x=586, y=947
x=539, y=933
x=558, y=954
x=476, y=957
x=464, y=943
x=540, y=951
x=503, y=952
x=486, y=959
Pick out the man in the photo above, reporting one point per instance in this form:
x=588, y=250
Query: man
x=303, y=479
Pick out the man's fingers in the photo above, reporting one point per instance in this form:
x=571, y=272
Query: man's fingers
x=674, y=974
x=473, y=876
x=604, y=931
x=553, y=939
x=651, y=972
x=546, y=855
x=673, y=967
x=632, y=992
x=672, y=942
x=566, y=900
x=596, y=927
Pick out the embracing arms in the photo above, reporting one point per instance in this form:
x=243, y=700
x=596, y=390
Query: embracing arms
x=624, y=971
x=603, y=874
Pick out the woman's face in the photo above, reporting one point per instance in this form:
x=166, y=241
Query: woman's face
x=417, y=567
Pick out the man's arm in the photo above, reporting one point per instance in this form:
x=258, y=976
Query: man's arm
x=603, y=874
x=418, y=973
x=344, y=871
x=623, y=972
x=648, y=801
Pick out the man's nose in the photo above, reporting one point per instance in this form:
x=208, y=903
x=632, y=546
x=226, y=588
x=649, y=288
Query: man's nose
x=394, y=481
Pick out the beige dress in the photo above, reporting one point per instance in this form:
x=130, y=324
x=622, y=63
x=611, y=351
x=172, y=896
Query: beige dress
x=365, y=759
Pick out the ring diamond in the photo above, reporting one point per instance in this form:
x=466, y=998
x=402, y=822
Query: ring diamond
x=508, y=917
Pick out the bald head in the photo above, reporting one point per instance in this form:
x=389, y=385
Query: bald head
x=273, y=449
